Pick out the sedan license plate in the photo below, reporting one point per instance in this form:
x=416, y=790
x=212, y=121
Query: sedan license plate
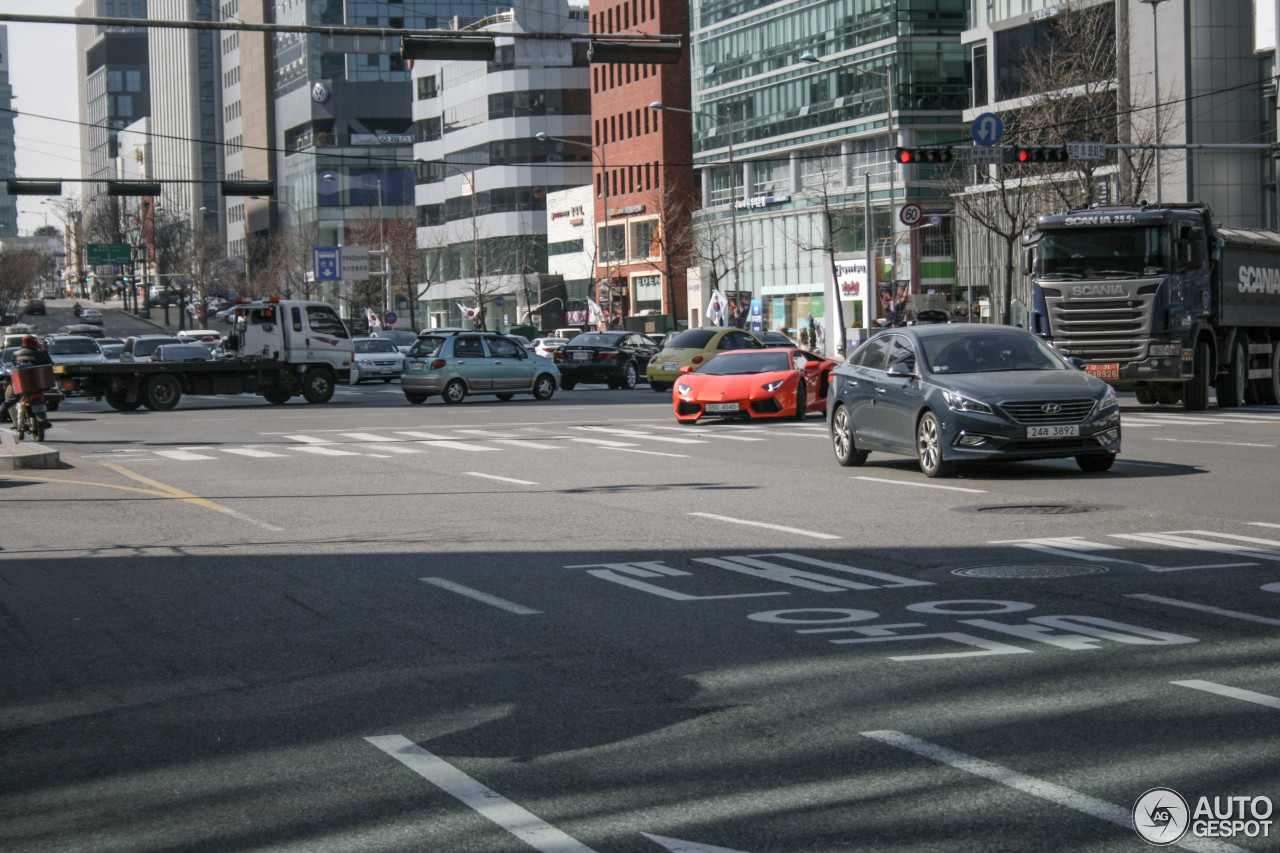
x=670, y=365
x=582, y=356
x=1058, y=431
x=722, y=407
x=1103, y=371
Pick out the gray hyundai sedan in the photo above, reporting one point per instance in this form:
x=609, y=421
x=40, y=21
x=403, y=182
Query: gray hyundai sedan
x=956, y=393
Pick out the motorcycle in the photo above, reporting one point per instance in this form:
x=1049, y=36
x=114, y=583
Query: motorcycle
x=30, y=415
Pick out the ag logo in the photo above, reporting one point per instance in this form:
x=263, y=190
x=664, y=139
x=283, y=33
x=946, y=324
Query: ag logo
x=1161, y=816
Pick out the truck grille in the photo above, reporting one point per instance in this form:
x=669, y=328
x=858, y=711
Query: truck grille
x=1101, y=328
x=1032, y=411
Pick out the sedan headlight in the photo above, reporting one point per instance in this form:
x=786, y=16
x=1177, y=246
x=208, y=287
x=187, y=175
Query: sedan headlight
x=1108, y=399
x=958, y=402
x=773, y=386
x=682, y=388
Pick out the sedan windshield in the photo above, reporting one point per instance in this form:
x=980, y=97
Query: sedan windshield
x=987, y=352
x=80, y=347
x=596, y=340
x=376, y=345
x=730, y=363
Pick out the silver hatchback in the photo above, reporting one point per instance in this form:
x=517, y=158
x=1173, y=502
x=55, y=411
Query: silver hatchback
x=456, y=364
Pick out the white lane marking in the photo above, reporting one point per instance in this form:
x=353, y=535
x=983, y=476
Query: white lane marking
x=921, y=485
x=602, y=442
x=521, y=823
x=1173, y=540
x=502, y=479
x=367, y=436
x=651, y=452
x=322, y=450
x=249, y=520
x=1224, y=443
x=518, y=609
x=1261, y=524
x=630, y=433
x=251, y=451
x=309, y=439
x=675, y=845
x=526, y=443
x=779, y=527
x=392, y=448
x=1230, y=692
x=1205, y=608
x=710, y=434
x=445, y=442
x=183, y=455
x=1168, y=420
x=1030, y=785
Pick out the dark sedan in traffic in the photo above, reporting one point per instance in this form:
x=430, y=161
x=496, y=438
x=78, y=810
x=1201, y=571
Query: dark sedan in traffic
x=957, y=393
x=615, y=358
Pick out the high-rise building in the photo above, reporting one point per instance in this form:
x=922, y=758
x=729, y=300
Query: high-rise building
x=798, y=109
x=8, y=153
x=115, y=83
x=247, y=107
x=186, y=124
x=483, y=176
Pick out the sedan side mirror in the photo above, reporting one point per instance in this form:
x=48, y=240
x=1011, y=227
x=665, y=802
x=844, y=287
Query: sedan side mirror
x=902, y=368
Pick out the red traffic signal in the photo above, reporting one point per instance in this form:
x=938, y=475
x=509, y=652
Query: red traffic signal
x=1040, y=154
x=940, y=154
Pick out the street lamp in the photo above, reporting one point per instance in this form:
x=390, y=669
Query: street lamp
x=727, y=118
x=470, y=179
x=1155, y=69
x=604, y=194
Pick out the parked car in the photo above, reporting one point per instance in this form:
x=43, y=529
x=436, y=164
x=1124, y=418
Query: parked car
x=34, y=306
x=764, y=383
x=774, y=338
x=569, y=332
x=956, y=393
x=693, y=347
x=139, y=348
x=111, y=348
x=402, y=338
x=187, y=352
x=73, y=349
x=455, y=364
x=207, y=337
x=545, y=347
x=522, y=341
x=616, y=358
x=376, y=358
x=52, y=397
x=91, y=316
x=84, y=330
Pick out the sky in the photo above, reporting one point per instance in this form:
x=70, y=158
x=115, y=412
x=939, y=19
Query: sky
x=42, y=71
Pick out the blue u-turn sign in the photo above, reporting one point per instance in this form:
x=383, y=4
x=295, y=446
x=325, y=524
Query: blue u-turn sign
x=987, y=129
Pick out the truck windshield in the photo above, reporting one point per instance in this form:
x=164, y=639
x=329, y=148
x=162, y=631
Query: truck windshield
x=1089, y=253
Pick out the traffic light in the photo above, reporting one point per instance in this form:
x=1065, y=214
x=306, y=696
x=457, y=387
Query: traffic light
x=908, y=156
x=1040, y=154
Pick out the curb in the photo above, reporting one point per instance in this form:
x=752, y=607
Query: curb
x=18, y=456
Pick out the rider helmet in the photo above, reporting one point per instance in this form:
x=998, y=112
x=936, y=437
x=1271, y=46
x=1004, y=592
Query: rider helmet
x=31, y=341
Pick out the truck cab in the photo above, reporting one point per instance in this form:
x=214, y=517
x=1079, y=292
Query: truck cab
x=293, y=331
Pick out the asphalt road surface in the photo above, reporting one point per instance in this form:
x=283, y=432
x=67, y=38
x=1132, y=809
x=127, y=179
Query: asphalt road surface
x=575, y=625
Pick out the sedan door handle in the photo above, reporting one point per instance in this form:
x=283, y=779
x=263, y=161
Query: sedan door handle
x=879, y=390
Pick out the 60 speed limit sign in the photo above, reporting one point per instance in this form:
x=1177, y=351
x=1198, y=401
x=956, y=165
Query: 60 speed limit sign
x=910, y=214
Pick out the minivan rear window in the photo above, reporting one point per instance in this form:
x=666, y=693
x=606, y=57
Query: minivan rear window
x=427, y=345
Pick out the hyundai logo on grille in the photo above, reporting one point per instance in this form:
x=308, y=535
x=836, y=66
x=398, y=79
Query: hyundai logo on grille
x=1051, y=408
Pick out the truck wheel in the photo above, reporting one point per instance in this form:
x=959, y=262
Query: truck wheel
x=1235, y=381
x=1269, y=388
x=119, y=400
x=1144, y=396
x=163, y=393
x=1195, y=397
x=277, y=396
x=317, y=385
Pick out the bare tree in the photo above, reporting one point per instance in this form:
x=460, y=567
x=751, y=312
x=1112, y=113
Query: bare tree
x=287, y=270
x=673, y=246
x=18, y=270
x=404, y=265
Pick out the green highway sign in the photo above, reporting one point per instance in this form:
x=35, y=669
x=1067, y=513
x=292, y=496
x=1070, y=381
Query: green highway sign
x=110, y=254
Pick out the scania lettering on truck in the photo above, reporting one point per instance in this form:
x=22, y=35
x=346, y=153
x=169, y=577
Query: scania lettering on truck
x=1162, y=301
x=278, y=348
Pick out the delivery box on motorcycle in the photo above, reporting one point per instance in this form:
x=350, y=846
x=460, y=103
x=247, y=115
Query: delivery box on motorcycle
x=28, y=379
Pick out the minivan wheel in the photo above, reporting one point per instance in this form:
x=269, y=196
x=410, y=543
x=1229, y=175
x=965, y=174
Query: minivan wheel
x=455, y=391
x=543, y=387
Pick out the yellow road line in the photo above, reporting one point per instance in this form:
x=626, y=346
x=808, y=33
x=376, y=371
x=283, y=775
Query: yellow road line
x=160, y=490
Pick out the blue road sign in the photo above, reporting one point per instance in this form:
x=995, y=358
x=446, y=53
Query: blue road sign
x=987, y=129
x=327, y=261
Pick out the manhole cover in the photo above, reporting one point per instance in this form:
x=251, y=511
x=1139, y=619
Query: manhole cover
x=1030, y=570
x=1037, y=509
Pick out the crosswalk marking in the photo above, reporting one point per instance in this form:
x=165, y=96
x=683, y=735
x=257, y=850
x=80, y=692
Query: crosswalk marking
x=322, y=450
x=367, y=436
x=252, y=451
x=630, y=433
x=309, y=439
x=445, y=442
x=709, y=434
x=183, y=455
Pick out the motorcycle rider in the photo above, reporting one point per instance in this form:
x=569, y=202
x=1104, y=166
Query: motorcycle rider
x=31, y=354
x=76, y=309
